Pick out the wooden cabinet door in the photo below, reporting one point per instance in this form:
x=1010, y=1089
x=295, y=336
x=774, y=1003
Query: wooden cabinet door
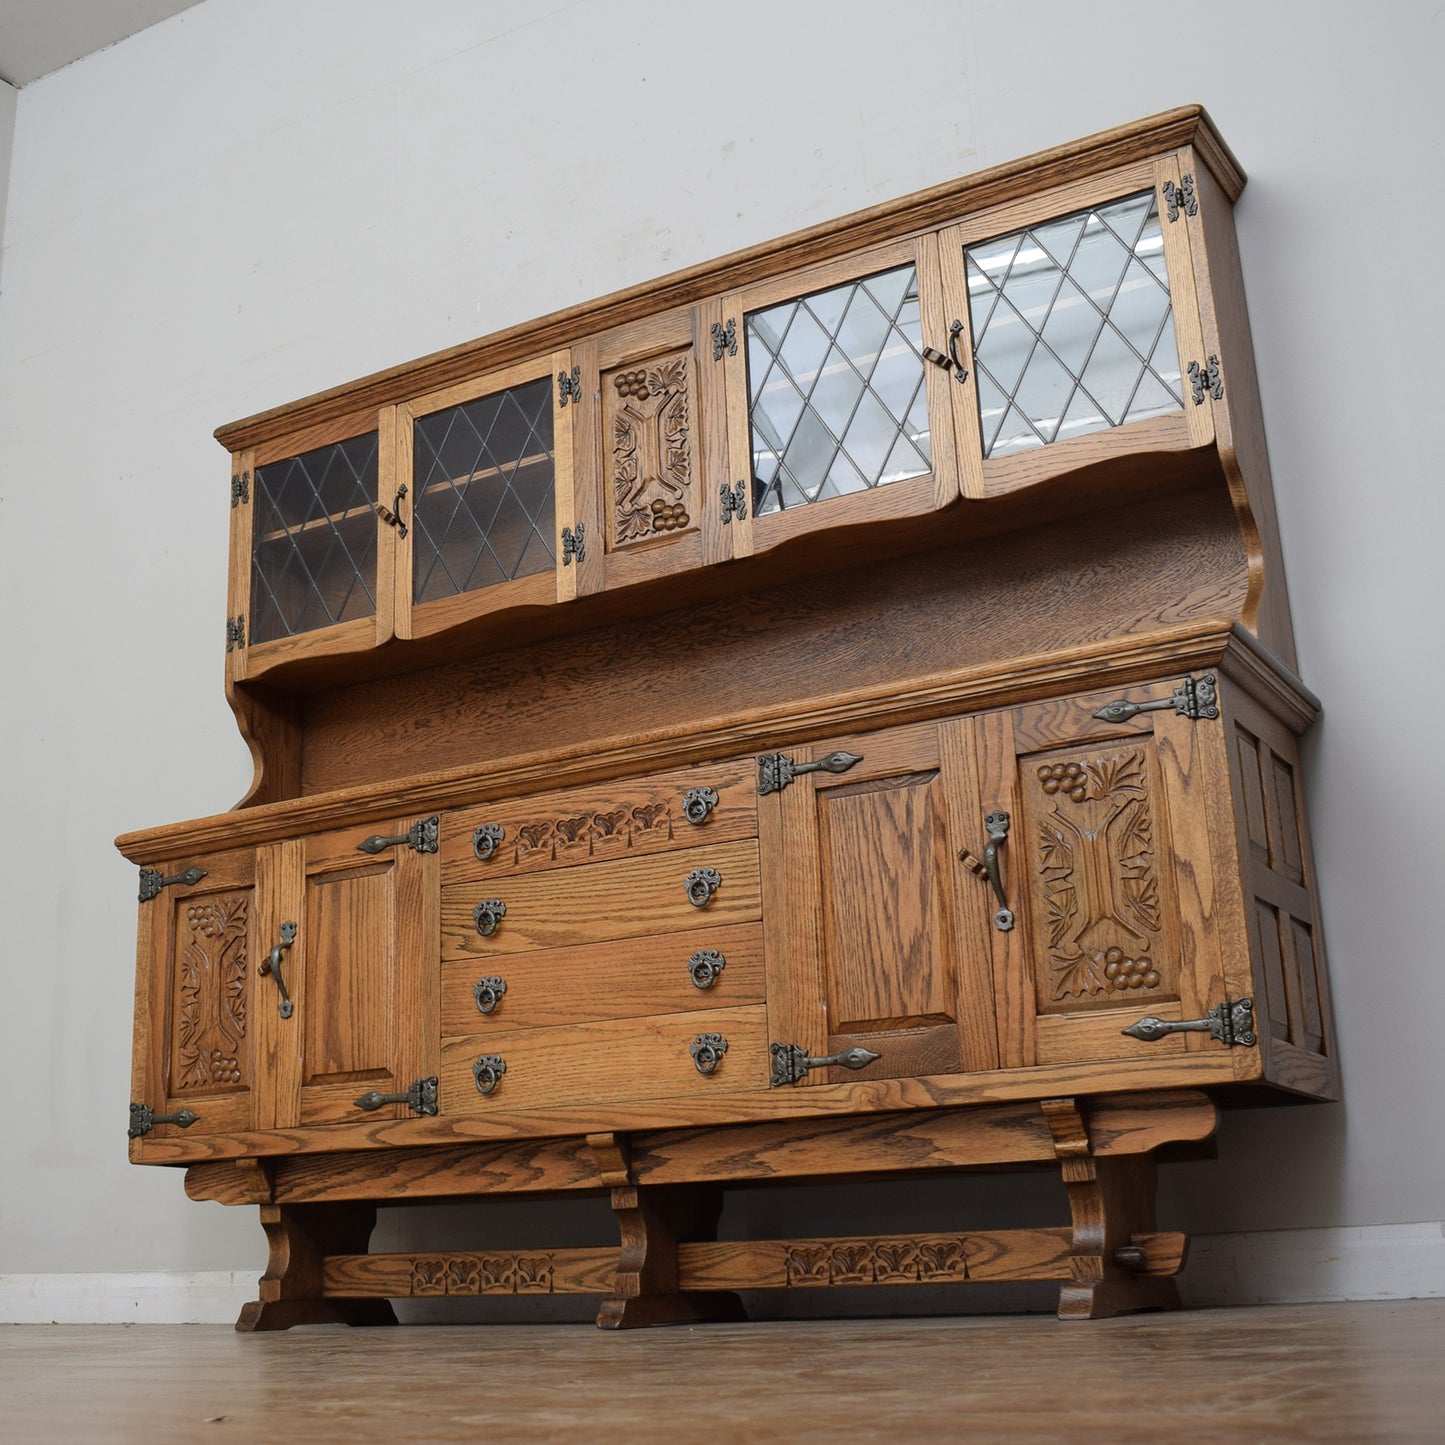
x=364, y=969
x=1109, y=868
x=198, y=998
x=868, y=913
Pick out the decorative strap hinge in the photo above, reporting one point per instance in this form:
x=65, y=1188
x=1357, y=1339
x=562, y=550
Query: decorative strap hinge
x=724, y=339
x=1205, y=378
x=240, y=488
x=143, y=1119
x=734, y=501
x=791, y=1062
x=574, y=544
x=1232, y=1023
x=1180, y=197
x=421, y=837
x=569, y=386
x=235, y=632
x=420, y=1098
x=1194, y=698
x=151, y=881
x=777, y=770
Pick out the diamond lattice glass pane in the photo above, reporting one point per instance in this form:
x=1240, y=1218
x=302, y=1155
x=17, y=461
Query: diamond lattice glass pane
x=1072, y=325
x=313, y=543
x=484, y=492
x=836, y=382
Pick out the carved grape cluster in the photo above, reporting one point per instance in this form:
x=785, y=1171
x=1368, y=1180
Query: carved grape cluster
x=632, y=383
x=225, y=1068
x=1123, y=972
x=205, y=919
x=668, y=516
x=1065, y=778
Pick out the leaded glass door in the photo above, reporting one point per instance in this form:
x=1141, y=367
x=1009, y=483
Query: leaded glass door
x=837, y=410
x=488, y=469
x=1081, y=331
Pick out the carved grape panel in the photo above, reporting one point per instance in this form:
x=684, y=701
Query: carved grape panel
x=650, y=449
x=208, y=1053
x=1096, y=846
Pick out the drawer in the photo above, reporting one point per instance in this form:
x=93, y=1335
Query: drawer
x=616, y=1061
x=609, y=820
x=626, y=979
x=629, y=898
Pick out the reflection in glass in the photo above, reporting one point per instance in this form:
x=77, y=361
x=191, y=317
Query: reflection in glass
x=836, y=394
x=485, y=491
x=1073, y=331
x=313, y=540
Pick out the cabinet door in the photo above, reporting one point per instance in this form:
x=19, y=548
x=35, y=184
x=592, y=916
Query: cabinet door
x=364, y=972
x=197, y=994
x=650, y=449
x=868, y=913
x=488, y=469
x=1080, y=326
x=1109, y=870
x=834, y=415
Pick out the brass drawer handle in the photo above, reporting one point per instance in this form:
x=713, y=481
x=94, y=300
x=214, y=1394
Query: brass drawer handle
x=488, y=1071
x=704, y=966
x=701, y=884
x=707, y=1051
x=143, y=1119
x=271, y=965
x=485, y=840
x=488, y=993
x=421, y=837
x=697, y=803
x=997, y=824
x=151, y=881
x=790, y=1062
x=488, y=914
x=420, y=1098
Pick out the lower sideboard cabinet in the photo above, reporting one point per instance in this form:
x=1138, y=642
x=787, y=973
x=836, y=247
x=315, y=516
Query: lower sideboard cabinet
x=1042, y=933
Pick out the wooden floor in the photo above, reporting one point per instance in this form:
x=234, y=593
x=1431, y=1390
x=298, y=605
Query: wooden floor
x=1346, y=1372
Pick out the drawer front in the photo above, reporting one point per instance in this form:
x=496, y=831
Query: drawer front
x=627, y=979
x=630, y=898
x=618, y=1061
x=608, y=821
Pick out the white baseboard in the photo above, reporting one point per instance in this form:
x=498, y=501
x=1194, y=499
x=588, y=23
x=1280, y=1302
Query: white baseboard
x=1286, y=1266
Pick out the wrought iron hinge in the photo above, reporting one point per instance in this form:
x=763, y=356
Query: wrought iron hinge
x=569, y=386
x=1232, y=1023
x=1180, y=196
x=791, y=1063
x=1194, y=698
x=574, y=544
x=724, y=339
x=240, y=488
x=734, y=501
x=1206, y=378
x=420, y=1098
x=235, y=631
x=143, y=1119
x=151, y=881
x=777, y=770
x=421, y=837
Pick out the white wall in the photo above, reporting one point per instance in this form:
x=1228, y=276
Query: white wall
x=258, y=199
x=8, y=98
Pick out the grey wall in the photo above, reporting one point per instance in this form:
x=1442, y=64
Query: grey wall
x=257, y=200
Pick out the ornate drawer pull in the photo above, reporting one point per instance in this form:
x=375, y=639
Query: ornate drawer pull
x=271, y=964
x=420, y=1098
x=488, y=914
x=705, y=965
x=143, y=1119
x=488, y=993
x=1231, y=1023
x=697, y=803
x=701, y=884
x=997, y=824
x=488, y=1071
x=707, y=1051
x=790, y=1062
x=421, y=837
x=151, y=881
x=485, y=840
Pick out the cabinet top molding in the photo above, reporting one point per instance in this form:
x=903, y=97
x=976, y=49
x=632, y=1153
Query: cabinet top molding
x=1187, y=126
